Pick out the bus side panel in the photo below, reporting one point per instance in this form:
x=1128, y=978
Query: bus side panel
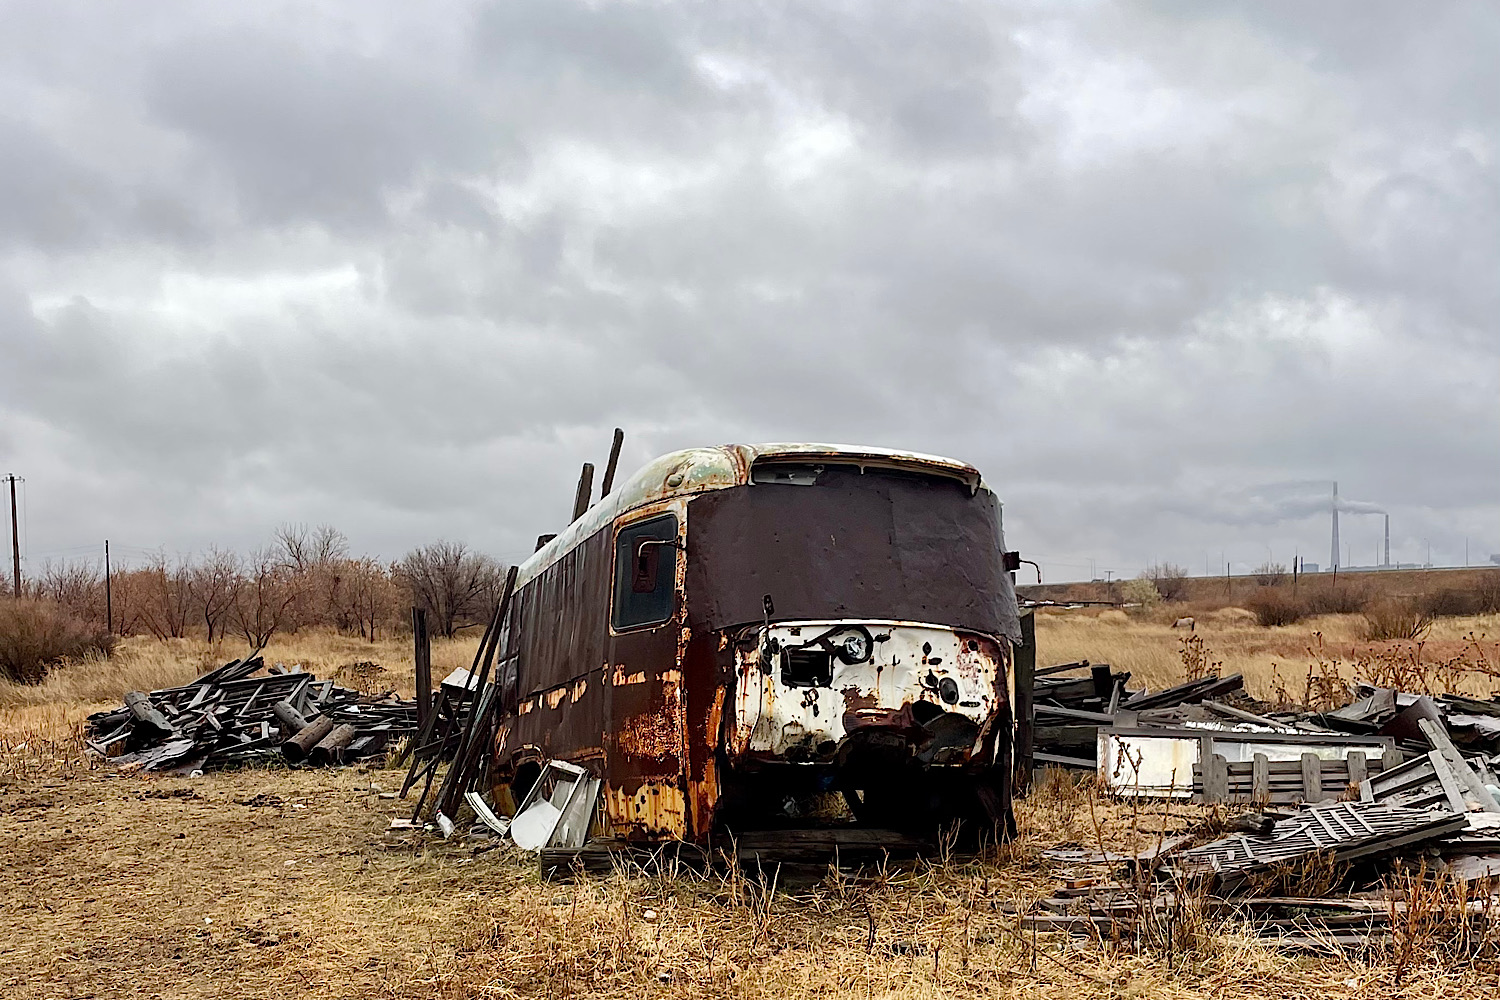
x=563, y=644
x=614, y=704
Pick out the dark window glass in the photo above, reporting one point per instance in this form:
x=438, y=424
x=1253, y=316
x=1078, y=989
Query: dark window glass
x=645, y=572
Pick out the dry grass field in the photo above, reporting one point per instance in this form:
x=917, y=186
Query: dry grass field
x=286, y=883
x=1151, y=649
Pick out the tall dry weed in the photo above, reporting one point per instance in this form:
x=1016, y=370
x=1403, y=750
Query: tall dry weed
x=1439, y=919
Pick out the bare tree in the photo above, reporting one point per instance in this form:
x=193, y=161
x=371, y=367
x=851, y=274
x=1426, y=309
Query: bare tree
x=131, y=592
x=458, y=588
x=1270, y=574
x=315, y=557
x=213, y=583
x=303, y=548
x=167, y=603
x=264, y=599
x=1170, y=580
x=368, y=598
x=77, y=586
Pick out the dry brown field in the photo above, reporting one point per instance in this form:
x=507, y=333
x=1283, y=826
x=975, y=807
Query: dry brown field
x=287, y=883
x=1151, y=649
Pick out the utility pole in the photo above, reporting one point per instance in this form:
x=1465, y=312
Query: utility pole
x=109, y=603
x=15, y=534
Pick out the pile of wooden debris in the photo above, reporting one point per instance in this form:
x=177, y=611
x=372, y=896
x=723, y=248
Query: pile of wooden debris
x=236, y=715
x=1352, y=805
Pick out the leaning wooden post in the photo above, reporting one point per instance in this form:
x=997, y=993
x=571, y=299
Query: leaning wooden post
x=585, y=492
x=608, y=482
x=422, y=652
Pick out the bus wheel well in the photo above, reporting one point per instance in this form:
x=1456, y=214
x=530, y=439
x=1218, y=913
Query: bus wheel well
x=523, y=776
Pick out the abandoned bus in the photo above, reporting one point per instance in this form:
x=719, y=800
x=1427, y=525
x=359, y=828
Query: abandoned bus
x=760, y=636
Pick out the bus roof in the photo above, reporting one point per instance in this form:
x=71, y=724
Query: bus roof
x=698, y=470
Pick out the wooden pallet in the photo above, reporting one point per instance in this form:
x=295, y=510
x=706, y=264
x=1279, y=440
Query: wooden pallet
x=1287, y=782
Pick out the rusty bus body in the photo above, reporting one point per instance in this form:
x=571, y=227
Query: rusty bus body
x=773, y=635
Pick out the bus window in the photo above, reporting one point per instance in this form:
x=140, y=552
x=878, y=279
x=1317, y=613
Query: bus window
x=645, y=572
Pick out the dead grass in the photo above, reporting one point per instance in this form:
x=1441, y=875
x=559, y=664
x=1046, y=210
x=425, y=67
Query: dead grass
x=261, y=884
x=1152, y=650
x=285, y=883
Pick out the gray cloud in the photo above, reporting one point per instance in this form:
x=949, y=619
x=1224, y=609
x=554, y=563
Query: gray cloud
x=402, y=269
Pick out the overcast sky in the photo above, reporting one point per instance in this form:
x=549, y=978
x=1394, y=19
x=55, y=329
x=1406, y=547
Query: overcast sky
x=1159, y=270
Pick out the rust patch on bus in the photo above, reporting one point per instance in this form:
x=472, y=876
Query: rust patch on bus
x=650, y=735
x=654, y=809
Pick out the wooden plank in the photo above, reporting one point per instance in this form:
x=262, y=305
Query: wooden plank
x=1445, y=776
x=1057, y=760
x=1075, y=713
x=608, y=482
x=1216, y=779
x=1261, y=777
x=1312, y=778
x=1116, y=696
x=1460, y=767
x=1243, y=716
x=145, y=713
x=1358, y=774
x=582, y=498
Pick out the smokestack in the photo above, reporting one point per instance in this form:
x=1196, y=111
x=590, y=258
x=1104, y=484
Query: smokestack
x=1334, y=561
x=1387, y=561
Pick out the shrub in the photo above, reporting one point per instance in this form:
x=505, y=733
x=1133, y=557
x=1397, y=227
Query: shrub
x=1270, y=574
x=1140, y=591
x=37, y=634
x=1451, y=603
x=1396, y=618
x=1487, y=591
x=1169, y=579
x=1274, y=606
x=1345, y=600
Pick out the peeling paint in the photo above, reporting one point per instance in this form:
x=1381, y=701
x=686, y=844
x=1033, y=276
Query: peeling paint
x=621, y=679
x=957, y=672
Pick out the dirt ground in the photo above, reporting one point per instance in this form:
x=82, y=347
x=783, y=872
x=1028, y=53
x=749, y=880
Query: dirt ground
x=287, y=883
